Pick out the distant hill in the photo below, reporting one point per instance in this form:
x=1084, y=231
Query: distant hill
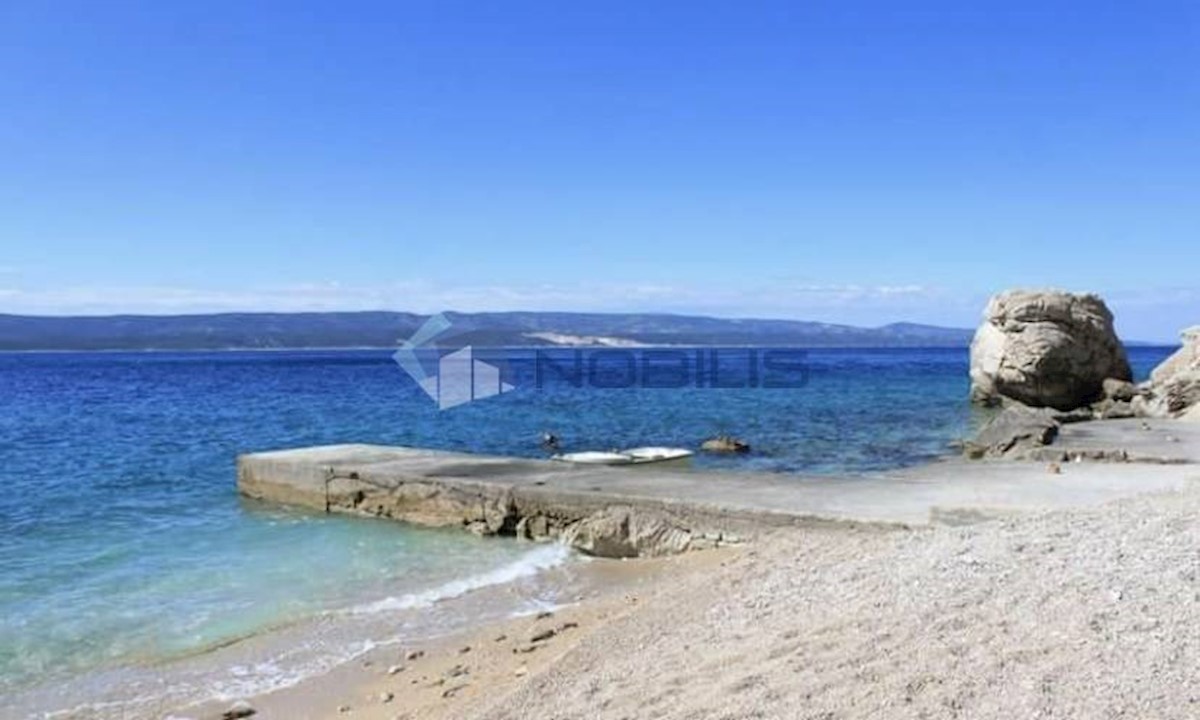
x=386, y=329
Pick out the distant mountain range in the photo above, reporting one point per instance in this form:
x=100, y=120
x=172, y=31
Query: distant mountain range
x=229, y=331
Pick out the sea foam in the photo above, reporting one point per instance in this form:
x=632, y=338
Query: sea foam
x=535, y=561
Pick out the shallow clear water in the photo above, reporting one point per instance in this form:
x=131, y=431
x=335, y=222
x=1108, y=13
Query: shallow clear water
x=122, y=538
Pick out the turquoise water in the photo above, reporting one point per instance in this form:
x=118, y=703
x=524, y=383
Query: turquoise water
x=123, y=541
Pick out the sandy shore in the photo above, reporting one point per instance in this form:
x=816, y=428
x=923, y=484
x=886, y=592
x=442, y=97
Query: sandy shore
x=1077, y=613
x=465, y=673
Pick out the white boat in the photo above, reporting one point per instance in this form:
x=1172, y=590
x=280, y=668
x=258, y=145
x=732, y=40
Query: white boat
x=632, y=456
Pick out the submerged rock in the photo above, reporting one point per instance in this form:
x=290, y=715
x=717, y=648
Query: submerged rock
x=1046, y=349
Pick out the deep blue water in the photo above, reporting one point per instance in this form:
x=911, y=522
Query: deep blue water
x=122, y=537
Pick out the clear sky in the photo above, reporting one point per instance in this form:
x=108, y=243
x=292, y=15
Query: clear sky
x=841, y=161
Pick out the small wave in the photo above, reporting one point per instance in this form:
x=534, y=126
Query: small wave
x=536, y=561
x=264, y=677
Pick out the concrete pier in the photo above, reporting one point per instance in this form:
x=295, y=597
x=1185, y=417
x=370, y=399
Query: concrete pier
x=543, y=498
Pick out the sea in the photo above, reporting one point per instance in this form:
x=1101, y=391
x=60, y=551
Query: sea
x=127, y=555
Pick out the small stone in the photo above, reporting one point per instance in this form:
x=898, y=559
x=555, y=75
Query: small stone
x=464, y=650
x=568, y=626
x=386, y=697
x=414, y=655
x=501, y=638
x=1054, y=469
x=457, y=671
x=395, y=670
x=451, y=692
x=521, y=671
x=240, y=709
x=343, y=708
x=544, y=614
x=543, y=635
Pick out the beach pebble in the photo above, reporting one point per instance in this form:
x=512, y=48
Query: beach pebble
x=464, y=650
x=501, y=638
x=343, y=708
x=521, y=671
x=414, y=655
x=451, y=692
x=543, y=635
x=395, y=669
x=386, y=697
x=240, y=709
x=545, y=614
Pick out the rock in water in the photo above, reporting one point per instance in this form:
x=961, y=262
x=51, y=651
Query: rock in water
x=1045, y=349
x=1174, y=387
x=725, y=444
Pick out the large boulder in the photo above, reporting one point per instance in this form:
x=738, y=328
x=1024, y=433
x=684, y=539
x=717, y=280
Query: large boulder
x=1174, y=386
x=1045, y=348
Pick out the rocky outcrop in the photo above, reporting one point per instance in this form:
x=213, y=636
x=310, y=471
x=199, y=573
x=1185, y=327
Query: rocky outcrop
x=621, y=532
x=484, y=495
x=1174, y=387
x=1013, y=433
x=1045, y=349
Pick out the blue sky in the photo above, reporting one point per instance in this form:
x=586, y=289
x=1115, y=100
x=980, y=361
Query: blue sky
x=842, y=161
